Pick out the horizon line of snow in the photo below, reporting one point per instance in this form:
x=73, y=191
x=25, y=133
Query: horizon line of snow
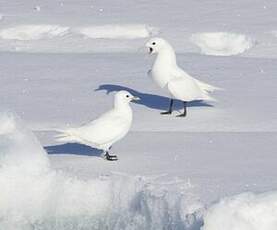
x=26, y=32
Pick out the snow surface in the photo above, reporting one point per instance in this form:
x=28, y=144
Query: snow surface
x=33, y=32
x=117, y=31
x=222, y=43
x=172, y=173
x=33, y=195
x=246, y=211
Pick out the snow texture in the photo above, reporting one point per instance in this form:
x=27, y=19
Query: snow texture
x=33, y=32
x=247, y=211
x=55, y=75
x=117, y=31
x=34, y=196
x=222, y=43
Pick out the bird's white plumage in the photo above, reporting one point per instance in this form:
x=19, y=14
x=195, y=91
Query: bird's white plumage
x=109, y=128
x=181, y=90
x=168, y=75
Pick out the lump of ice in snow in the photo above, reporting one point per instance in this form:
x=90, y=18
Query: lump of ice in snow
x=222, y=43
x=34, y=196
x=18, y=147
x=33, y=32
x=117, y=31
x=246, y=211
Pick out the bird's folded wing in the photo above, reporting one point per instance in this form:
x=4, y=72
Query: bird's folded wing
x=207, y=87
x=185, y=89
x=103, y=130
x=179, y=73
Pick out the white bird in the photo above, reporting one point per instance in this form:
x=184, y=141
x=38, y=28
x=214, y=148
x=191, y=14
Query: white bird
x=168, y=75
x=103, y=132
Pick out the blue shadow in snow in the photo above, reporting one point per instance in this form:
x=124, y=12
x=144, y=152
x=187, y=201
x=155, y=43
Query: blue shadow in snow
x=151, y=100
x=73, y=148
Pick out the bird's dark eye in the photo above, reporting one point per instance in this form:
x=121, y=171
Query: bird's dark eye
x=153, y=43
x=127, y=96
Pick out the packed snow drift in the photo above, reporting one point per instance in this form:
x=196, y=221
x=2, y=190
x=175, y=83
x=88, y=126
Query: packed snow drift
x=117, y=31
x=247, y=211
x=43, y=31
x=53, y=38
x=60, y=63
x=33, y=32
x=34, y=196
x=222, y=43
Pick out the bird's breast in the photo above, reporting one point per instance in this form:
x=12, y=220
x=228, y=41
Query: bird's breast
x=161, y=76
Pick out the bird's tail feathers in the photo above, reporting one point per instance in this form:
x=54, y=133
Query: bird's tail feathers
x=207, y=97
x=66, y=135
x=207, y=87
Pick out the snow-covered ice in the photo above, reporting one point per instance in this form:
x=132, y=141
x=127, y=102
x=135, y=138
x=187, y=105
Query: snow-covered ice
x=117, y=31
x=172, y=173
x=33, y=32
x=246, y=211
x=33, y=195
x=222, y=43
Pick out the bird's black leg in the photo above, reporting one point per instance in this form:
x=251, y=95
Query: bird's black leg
x=170, y=108
x=110, y=157
x=185, y=110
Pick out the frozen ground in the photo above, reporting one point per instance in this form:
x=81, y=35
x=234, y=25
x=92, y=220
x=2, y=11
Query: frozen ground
x=61, y=62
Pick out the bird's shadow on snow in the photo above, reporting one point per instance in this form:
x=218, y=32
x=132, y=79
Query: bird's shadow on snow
x=73, y=148
x=151, y=100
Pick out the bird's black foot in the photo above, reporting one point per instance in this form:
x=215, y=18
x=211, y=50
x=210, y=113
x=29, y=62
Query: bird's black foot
x=111, y=157
x=166, y=112
x=182, y=115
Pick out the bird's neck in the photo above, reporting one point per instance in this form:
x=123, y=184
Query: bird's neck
x=123, y=107
x=166, y=57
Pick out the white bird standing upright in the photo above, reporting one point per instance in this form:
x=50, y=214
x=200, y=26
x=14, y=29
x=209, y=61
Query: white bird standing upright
x=109, y=128
x=168, y=75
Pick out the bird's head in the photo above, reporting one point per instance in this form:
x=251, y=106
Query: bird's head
x=124, y=96
x=155, y=45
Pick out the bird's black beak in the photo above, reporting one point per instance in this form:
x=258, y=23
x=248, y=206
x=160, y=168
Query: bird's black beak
x=135, y=98
x=150, y=50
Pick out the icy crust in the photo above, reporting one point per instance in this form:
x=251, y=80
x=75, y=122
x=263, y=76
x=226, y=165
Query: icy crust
x=51, y=38
x=222, y=43
x=44, y=31
x=117, y=31
x=33, y=32
x=246, y=211
x=34, y=196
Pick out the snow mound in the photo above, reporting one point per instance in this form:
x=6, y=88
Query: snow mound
x=33, y=32
x=246, y=211
x=117, y=31
x=222, y=43
x=274, y=33
x=34, y=196
x=19, y=148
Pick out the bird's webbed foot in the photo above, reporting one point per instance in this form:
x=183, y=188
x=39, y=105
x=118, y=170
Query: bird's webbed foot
x=182, y=115
x=110, y=157
x=166, y=112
